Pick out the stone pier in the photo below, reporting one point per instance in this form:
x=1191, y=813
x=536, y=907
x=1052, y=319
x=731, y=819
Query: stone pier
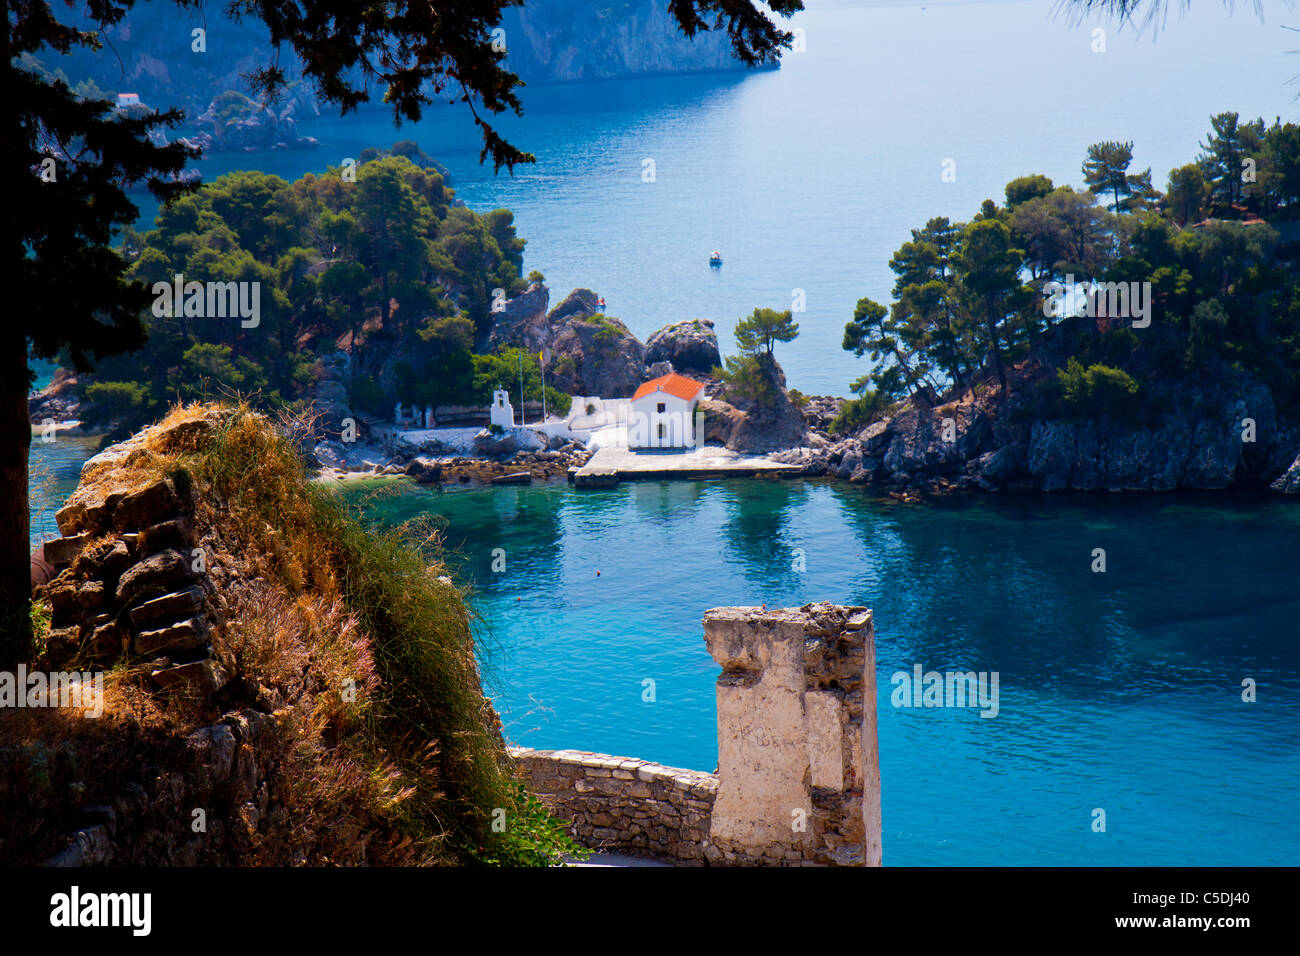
x=798, y=777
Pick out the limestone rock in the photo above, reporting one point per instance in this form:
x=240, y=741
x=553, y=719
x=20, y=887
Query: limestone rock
x=425, y=472
x=1289, y=482
x=61, y=551
x=495, y=446
x=187, y=635
x=215, y=746
x=522, y=321
x=578, y=303
x=169, y=607
x=328, y=392
x=596, y=355
x=691, y=346
x=176, y=533
x=201, y=677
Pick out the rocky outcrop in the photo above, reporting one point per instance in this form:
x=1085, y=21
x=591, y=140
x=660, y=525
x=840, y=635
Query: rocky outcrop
x=328, y=392
x=591, y=353
x=58, y=402
x=579, y=303
x=1227, y=433
x=596, y=355
x=690, y=347
x=234, y=123
x=820, y=410
x=767, y=423
x=1289, y=482
x=522, y=320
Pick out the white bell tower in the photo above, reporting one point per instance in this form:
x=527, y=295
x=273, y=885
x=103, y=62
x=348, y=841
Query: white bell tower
x=503, y=413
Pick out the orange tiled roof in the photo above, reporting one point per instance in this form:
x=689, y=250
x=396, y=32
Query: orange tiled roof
x=672, y=383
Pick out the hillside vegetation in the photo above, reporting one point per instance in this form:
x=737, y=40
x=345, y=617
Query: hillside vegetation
x=355, y=644
x=1090, y=295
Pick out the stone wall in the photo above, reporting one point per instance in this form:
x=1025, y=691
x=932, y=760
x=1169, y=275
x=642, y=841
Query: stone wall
x=620, y=803
x=798, y=780
x=207, y=808
x=131, y=576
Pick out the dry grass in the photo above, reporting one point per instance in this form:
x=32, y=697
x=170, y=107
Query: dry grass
x=388, y=753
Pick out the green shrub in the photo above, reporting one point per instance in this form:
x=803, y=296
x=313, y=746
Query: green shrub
x=366, y=395
x=116, y=399
x=858, y=413
x=1076, y=392
x=749, y=379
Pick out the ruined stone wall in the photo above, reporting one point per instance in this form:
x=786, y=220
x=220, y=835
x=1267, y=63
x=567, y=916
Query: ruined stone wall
x=798, y=779
x=633, y=806
x=209, y=806
x=130, y=577
x=798, y=765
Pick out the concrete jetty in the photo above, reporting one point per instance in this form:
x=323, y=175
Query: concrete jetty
x=615, y=463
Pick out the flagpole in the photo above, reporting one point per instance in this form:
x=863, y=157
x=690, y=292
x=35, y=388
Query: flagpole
x=522, y=419
x=541, y=365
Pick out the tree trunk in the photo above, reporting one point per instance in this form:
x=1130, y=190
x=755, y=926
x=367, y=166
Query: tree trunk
x=997, y=354
x=15, y=547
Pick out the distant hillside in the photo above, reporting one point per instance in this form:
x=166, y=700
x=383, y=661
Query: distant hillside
x=555, y=41
x=547, y=41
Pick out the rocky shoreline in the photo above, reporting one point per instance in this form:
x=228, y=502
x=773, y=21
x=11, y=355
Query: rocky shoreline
x=1227, y=432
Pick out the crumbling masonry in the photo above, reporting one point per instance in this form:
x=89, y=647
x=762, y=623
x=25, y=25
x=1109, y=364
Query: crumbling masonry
x=798, y=778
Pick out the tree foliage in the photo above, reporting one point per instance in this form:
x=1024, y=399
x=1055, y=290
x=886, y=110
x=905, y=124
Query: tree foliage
x=971, y=298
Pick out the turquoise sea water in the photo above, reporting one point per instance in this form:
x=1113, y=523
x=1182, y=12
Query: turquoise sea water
x=1119, y=690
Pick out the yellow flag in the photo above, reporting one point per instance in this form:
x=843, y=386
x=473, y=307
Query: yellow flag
x=540, y=360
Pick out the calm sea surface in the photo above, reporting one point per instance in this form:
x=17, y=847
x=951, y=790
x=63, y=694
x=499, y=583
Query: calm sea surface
x=1118, y=690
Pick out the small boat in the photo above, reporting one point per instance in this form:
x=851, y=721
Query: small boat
x=715, y=260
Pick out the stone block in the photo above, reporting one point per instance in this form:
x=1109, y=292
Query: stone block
x=215, y=746
x=187, y=635
x=169, y=607
x=177, y=533
x=61, y=551
x=198, y=677
x=154, y=576
x=148, y=506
